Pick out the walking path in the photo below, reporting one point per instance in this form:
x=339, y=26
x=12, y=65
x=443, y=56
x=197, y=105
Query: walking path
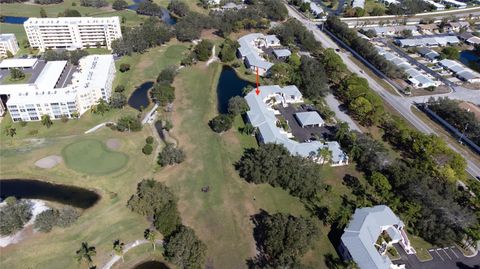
x=98, y=127
x=127, y=247
x=213, y=58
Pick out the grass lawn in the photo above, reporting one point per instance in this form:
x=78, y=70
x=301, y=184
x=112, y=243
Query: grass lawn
x=422, y=247
x=9, y=80
x=370, y=5
x=93, y=157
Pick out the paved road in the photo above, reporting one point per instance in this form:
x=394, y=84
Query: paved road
x=339, y=114
x=400, y=103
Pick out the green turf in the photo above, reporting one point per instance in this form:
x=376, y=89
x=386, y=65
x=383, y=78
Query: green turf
x=9, y=80
x=93, y=157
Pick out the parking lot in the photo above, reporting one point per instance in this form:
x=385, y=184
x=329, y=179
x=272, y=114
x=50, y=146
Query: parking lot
x=443, y=258
x=302, y=134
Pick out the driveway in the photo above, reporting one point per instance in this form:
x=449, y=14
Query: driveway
x=336, y=107
x=443, y=258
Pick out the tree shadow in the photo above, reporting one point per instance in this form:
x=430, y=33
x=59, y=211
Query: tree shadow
x=461, y=265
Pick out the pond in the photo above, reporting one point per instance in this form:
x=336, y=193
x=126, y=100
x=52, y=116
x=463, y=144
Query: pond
x=13, y=19
x=165, y=14
x=467, y=56
x=139, y=98
x=35, y=189
x=229, y=85
x=151, y=265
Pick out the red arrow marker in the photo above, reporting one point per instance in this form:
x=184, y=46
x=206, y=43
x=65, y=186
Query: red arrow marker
x=257, y=91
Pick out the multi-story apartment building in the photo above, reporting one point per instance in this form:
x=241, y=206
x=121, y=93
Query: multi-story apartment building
x=72, y=32
x=8, y=42
x=61, y=90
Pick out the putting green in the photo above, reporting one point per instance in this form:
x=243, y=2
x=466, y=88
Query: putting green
x=93, y=157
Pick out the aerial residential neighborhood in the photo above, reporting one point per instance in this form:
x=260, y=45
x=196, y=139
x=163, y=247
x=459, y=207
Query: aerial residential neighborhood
x=191, y=134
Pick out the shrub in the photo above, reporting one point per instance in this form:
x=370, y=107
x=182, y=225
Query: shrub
x=237, y=105
x=129, y=123
x=33, y=132
x=147, y=149
x=170, y=155
x=124, y=67
x=119, y=4
x=118, y=100
x=167, y=75
x=120, y=88
x=168, y=125
x=67, y=216
x=221, y=123
x=149, y=140
x=14, y=215
x=46, y=220
x=204, y=50
x=64, y=118
x=22, y=123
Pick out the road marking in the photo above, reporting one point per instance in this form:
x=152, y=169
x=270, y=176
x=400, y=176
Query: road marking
x=447, y=254
x=451, y=249
x=439, y=255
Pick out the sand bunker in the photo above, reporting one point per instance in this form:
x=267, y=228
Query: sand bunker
x=49, y=161
x=113, y=143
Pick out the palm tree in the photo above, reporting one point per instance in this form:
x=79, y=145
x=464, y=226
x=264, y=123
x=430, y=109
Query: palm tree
x=10, y=130
x=325, y=155
x=150, y=236
x=118, y=248
x=86, y=253
x=46, y=120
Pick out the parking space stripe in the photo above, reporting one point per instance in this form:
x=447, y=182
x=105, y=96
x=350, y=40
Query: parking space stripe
x=439, y=255
x=447, y=254
x=451, y=249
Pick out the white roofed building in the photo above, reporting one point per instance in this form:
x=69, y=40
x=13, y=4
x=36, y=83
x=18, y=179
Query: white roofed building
x=251, y=51
x=19, y=63
x=263, y=116
x=8, y=42
x=359, y=240
x=72, y=32
x=61, y=90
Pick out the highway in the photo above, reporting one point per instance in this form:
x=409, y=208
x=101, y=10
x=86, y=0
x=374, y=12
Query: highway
x=400, y=103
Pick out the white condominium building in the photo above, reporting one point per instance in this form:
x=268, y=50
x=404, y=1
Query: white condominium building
x=8, y=42
x=61, y=90
x=72, y=32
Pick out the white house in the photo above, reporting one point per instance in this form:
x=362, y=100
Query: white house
x=359, y=240
x=263, y=116
x=8, y=42
x=60, y=90
x=251, y=51
x=72, y=32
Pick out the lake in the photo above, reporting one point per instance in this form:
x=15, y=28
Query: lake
x=13, y=19
x=139, y=98
x=151, y=265
x=229, y=85
x=165, y=14
x=36, y=189
x=467, y=56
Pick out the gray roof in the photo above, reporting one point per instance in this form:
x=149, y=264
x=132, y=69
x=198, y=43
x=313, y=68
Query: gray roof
x=468, y=75
x=309, y=118
x=282, y=53
x=262, y=116
x=249, y=51
x=362, y=232
x=428, y=41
